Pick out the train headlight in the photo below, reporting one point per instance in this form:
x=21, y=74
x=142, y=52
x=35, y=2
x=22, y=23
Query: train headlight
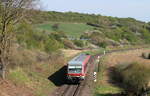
x=82, y=77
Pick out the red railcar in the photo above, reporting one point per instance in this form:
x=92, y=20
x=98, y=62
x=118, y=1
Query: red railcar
x=77, y=67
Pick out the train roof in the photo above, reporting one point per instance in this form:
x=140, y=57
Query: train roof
x=78, y=60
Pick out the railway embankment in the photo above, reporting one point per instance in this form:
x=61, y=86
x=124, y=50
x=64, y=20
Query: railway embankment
x=104, y=86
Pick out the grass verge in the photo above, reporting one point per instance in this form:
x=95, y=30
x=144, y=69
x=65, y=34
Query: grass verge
x=102, y=87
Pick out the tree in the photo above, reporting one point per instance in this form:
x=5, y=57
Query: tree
x=79, y=43
x=11, y=12
x=55, y=27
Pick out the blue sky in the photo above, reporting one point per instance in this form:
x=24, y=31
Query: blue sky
x=138, y=9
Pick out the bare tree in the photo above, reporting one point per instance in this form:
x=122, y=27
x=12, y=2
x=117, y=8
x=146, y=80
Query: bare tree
x=11, y=12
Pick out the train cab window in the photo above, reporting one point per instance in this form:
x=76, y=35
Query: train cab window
x=75, y=69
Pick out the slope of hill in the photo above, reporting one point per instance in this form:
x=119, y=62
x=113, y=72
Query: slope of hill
x=47, y=34
x=71, y=29
x=120, y=30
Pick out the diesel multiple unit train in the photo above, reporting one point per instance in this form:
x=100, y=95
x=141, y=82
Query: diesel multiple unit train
x=77, y=67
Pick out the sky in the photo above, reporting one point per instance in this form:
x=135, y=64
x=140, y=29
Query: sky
x=138, y=9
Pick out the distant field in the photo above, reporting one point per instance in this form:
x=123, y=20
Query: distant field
x=71, y=29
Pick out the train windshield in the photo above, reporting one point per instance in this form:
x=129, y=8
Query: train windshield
x=75, y=69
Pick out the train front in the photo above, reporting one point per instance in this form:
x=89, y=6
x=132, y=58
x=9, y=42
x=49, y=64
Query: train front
x=75, y=73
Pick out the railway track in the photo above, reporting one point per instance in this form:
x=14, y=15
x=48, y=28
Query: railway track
x=71, y=90
x=76, y=89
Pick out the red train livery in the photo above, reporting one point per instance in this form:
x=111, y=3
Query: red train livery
x=77, y=67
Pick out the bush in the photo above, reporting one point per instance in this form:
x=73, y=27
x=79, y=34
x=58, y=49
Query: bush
x=58, y=35
x=34, y=39
x=146, y=55
x=18, y=76
x=68, y=44
x=21, y=58
x=91, y=24
x=55, y=27
x=102, y=44
x=52, y=45
x=79, y=43
x=132, y=78
x=30, y=38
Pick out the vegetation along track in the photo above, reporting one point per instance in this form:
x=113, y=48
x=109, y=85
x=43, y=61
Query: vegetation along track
x=77, y=89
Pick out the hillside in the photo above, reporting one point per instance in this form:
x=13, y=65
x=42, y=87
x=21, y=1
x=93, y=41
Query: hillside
x=71, y=29
x=106, y=88
x=39, y=40
x=101, y=29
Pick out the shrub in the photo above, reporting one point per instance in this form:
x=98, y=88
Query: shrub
x=30, y=38
x=132, y=78
x=52, y=45
x=55, y=27
x=102, y=44
x=68, y=44
x=34, y=39
x=58, y=35
x=18, y=76
x=146, y=55
x=91, y=24
x=79, y=43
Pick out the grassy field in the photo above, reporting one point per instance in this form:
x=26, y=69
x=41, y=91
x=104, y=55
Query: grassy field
x=71, y=29
x=102, y=87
